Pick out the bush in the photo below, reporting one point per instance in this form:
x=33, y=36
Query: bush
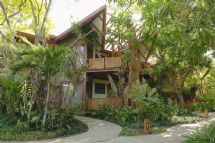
x=19, y=133
x=149, y=111
x=167, y=111
x=103, y=112
x=123, y=115
x=20, y=127
x=208, y=102
x=204, y=135
x=60, y=118
x=119, y=116
x=183, y=110
x=8, y=120
x=10, y=95
x=147, y=100
x=22, y=132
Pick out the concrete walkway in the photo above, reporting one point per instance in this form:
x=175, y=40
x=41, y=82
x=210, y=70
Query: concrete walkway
x=106, y=132
x=174, y=134
x=99, y=131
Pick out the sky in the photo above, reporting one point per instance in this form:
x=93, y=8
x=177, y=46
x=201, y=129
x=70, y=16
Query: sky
x=65, y=12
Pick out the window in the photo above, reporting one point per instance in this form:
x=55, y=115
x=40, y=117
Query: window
x=99, y=88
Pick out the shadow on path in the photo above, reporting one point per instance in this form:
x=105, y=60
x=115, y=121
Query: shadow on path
x=174, y=134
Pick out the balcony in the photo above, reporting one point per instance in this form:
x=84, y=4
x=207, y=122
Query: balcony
x=114, y=102
x=104, y=63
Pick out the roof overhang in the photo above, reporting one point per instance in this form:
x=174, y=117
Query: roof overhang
x=82, y=22
x=66, y=33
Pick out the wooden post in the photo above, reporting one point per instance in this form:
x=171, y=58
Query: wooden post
x=84, y=96
x=84, y=83
x=206, y=113
x=147, y=126
x=133, y=104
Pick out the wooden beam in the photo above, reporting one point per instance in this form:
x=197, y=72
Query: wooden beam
x=104, y=26
x=100, y=18
x=96, y=28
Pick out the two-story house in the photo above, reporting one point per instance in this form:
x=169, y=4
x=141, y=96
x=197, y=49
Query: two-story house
x=99, y=84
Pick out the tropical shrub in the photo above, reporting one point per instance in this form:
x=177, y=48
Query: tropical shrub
x=59, y=123
x=150, y=111
x=21, y=127
x=208, y=102
x=8, y=120
x=119, y=116
x=60, y=119
x=11, y=95
x=147, y=99
x=204, y=135
x=167, y=111
x=124, y=115
x=21, y=132
x=183, y=110
x=103, y=112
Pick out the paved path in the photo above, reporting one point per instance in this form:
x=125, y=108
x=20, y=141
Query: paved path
x=106, y=132
x=99, y=131
x=174, y=134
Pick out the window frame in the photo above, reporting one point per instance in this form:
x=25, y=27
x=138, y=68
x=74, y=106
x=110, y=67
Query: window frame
x=98, y=81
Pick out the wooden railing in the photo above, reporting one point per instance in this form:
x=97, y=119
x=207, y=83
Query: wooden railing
x=112, y=101
x=113, y=62
x=96, y=63
x=104, y=63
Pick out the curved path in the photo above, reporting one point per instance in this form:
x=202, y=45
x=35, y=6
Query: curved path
x=99, y=131
x=174, y=134
x=106, y=132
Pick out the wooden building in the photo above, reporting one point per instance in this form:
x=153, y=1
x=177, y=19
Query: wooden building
x=103, y=65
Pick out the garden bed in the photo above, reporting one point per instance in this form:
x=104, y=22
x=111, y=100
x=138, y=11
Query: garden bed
x=204, y=135
x=133, y=129
x=131, y=125
x=9, y=132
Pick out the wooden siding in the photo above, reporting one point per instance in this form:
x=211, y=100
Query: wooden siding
x=104, y=63
x=112, y=101
x=112, y=62
x=96, y=63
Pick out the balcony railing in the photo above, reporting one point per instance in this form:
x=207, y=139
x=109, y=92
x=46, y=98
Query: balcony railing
x=111, y=101
x=105, y=63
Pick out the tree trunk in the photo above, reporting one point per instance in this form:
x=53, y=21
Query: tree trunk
x=180, y=98
x=46, y=104
x=177, y=89
x=29, y=114
x=12, y=33
x=113, y=85
x=135, y=75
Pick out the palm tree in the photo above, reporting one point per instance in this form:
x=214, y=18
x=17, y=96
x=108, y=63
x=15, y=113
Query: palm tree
x=42, y=63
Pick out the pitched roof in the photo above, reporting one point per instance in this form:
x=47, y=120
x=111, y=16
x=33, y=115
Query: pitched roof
x=82, y=22
x=66, y=33
x=31, y=37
